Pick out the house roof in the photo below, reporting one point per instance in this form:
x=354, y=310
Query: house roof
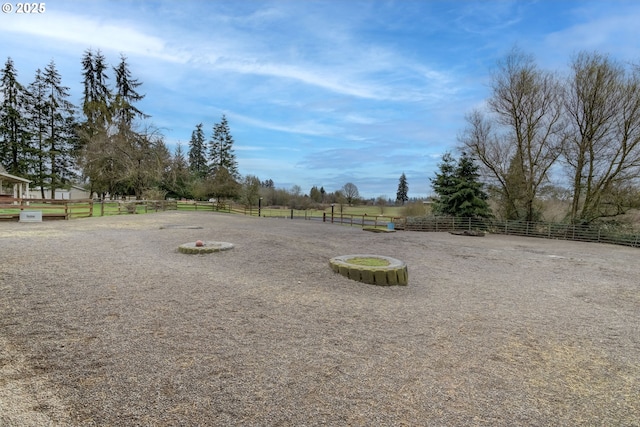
x=4, y=176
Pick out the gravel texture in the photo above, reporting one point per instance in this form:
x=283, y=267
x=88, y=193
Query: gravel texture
x=104, y=323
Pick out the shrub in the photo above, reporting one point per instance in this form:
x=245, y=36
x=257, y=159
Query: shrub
x=414, y=209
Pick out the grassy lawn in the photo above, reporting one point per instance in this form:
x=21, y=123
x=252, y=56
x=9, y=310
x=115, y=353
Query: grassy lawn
x=368, y=210
x=368, y=261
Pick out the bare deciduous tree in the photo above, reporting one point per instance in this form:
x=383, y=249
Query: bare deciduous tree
x=350, y=192
x=521, y=137
x=603, y=151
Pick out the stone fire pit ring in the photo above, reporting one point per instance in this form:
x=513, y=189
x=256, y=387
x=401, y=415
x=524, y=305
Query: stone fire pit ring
x=371, y=269
x=204, y=247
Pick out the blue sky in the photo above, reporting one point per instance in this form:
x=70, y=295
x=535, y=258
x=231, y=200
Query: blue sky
x=318, y=92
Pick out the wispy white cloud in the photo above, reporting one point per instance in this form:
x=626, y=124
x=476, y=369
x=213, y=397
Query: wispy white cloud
x=248, y=148
x=482, y=17
x=56, y=27
x=318, y=92
x=309, y=127
x=615, y=32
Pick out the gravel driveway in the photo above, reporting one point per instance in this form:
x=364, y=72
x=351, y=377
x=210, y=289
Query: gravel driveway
x=104, y=323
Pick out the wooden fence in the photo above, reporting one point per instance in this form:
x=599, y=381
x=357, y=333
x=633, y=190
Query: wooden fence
x=10, y=208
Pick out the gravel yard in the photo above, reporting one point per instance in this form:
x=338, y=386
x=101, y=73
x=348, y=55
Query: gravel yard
x=104, y=323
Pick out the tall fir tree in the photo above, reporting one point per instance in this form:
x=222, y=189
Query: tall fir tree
x=38, y=120
x=126, y=96
x=96, y=149
x=140, y=153
x=402, y=195
x=221, y=153
x=444, y=185
x=15, y=151
x=61, y=136
x=96, y=98
x=198, y=153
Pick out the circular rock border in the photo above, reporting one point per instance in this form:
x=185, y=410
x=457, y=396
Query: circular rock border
x=206, y=248
x=393, y=274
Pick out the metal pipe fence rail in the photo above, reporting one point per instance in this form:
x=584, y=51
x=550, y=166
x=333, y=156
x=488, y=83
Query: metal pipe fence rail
x=576, y=232
x=357, y=220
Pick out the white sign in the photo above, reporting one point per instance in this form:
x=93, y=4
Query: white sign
x=30, y=216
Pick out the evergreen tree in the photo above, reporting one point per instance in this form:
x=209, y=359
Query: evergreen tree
x=97, y=151
x=126, y=96
x=469, y=199
x=15, y=152
x=142, y=154
x=458, y=189
x=61, y=136
x=315, y=195
x=403, y=190
x=444, y=185
x=38, y=130
x=221, y=153
x=197, y=153
x=176, y=181
x=97, y=96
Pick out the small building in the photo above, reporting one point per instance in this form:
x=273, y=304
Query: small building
x=74, y=192
x=13, y=187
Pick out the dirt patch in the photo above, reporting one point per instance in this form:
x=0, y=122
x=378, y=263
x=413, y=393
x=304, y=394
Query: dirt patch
x=104, y=322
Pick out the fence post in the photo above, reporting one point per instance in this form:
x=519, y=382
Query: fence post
x=291, y=213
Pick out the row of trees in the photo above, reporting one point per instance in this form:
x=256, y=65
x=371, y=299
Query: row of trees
x=47, y=139
x=535, y=126
x=584, y=128
x=108, y=145
x=38, y=135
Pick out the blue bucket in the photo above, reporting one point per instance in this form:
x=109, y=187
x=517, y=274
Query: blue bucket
x=390, y=226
